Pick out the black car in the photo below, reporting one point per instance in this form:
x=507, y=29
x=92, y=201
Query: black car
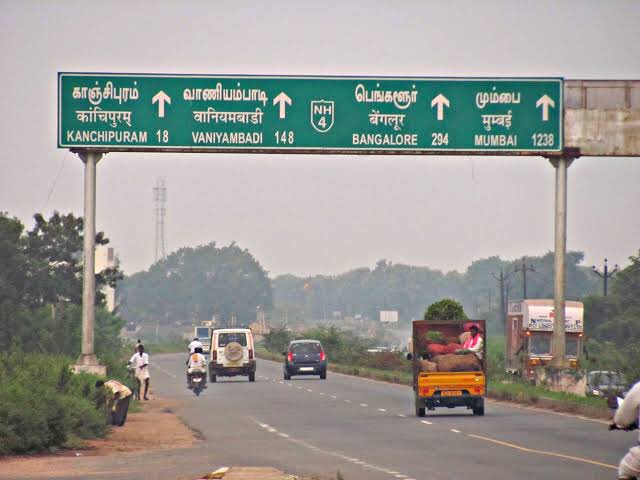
x=305, y=357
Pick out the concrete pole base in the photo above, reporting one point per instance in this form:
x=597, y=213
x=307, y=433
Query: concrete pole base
x=88, y=363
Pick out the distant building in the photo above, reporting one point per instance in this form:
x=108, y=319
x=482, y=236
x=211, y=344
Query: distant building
x=388, y=316
x=106, y=258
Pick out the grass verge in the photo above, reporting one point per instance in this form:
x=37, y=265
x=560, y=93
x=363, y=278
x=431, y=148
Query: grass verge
x=517, y=392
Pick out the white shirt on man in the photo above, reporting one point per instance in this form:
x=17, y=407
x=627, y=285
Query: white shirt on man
x=197, y=360
x=138, y=360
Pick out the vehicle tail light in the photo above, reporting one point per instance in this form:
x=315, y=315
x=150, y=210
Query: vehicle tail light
x=290, y=356
x=323, y=356
x=250, y=354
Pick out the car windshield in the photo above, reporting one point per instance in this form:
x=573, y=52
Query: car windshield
x=540, y=346
x=202, y=333
x=606, y=379
x=226, y=338
x=306, y=348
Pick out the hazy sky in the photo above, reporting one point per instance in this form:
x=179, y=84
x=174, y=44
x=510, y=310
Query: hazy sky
x=320, y=214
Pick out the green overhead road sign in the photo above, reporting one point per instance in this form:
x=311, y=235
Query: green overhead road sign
x=207, y=113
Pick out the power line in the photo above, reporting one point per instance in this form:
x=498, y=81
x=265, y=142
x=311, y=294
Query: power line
x=160, y=199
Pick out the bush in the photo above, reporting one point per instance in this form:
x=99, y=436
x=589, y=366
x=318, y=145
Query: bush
x=42, y=403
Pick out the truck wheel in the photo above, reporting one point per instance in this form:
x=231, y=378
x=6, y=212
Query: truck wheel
x=323, y=375
x=479, y=408
x=420, y=412
x=287, y=376
x=252, y=377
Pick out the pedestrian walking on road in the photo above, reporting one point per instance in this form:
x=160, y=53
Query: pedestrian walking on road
x=140, y=362
x=626, y=418
x=118, y=397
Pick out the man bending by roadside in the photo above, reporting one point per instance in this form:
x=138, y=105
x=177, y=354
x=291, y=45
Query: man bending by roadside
x=140, y=362
x=118, y=397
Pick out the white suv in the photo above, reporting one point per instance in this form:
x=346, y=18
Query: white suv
x=232, y=353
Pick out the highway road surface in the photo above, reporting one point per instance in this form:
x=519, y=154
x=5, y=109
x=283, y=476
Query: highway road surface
x=368, y=430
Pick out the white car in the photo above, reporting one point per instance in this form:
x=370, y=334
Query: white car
x=232, y=353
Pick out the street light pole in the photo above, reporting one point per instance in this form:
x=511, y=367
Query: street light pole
x=605, y=275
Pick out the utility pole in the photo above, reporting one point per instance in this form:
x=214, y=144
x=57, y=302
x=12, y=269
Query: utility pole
x=160, y=199
x=502, y=279
x=524, y=268
x=605, y=274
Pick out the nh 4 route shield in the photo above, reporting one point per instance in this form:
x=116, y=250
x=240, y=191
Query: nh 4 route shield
x=138, y=112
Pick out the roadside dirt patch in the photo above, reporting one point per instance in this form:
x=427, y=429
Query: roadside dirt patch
x=155, y=428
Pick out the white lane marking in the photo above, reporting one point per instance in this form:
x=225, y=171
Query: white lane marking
x=289, y=385
x=309, y=390
x=381, y=410
x=280, y=382
x=321, y=393
x=299, y=388
x=426, y=422
x=455, y=431
x=364, y=405
x=166, y=372
x=333, y=396
x=316, y=449
x=402, y=416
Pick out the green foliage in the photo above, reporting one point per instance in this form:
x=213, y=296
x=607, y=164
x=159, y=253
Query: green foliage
x=408, y=289
x=277, y=340
x=434, y=336
x=192, y=284
x=445, y=309
x=41, y=287
x=613, y=324
x=42, y=403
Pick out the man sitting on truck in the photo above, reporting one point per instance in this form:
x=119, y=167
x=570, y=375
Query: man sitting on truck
x=474, y=342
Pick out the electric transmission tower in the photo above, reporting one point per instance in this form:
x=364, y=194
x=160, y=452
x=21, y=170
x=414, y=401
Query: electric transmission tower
x=160, y=199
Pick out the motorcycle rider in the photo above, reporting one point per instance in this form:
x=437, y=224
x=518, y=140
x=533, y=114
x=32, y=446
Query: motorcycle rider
x=195, y=344
x=196, y=362
x=626, y=418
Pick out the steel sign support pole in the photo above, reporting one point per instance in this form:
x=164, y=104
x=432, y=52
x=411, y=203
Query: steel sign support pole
x=88, y=360
x=558, y=348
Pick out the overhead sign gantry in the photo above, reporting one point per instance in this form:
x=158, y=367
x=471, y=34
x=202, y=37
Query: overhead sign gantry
x=202, y=113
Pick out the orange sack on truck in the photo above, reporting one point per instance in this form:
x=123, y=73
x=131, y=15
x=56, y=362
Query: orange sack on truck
x=458, y=363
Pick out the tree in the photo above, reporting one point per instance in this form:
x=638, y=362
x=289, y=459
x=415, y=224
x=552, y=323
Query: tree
x=41, y=287
x=445, y=309
x=192, y=284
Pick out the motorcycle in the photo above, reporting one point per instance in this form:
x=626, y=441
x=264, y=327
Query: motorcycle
x=614, y=403
x=197, y=381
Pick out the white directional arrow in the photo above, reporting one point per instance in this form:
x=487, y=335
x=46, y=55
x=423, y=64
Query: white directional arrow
x=160, y=98
x=546, y=102
x=283, y=100
x=441, y=101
